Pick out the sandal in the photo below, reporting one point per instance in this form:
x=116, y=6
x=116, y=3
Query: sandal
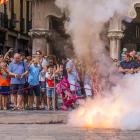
x=13, y=109
x=19, y=109
x=48, y=109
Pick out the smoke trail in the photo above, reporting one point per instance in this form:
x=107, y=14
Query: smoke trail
x=86, y=27
x=87, y=19
x=109, y=111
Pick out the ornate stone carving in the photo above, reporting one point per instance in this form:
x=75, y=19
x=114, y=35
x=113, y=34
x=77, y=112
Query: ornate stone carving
x=57, y=12
x=115, y=35
x=37, y=33
x=132, y=14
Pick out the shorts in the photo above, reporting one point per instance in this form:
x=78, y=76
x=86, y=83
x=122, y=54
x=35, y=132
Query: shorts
x=50, y=92
x=5, y=89
x=73, y=88
x=43, y=86
x=88, y=92
x=79, y=93
x=36, y=89
x=17, y=87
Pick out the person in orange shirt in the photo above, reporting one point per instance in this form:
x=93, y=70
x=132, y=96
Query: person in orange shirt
x=4, y=84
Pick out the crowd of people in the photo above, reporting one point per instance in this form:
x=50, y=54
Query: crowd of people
x=130, y=62
x=38, y=74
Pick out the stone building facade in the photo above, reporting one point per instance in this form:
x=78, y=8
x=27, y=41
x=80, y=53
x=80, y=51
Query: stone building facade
x=116, y=34
x=15, y=23
x=41, y=32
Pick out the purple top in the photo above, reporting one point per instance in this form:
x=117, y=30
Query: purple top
x=78, y=88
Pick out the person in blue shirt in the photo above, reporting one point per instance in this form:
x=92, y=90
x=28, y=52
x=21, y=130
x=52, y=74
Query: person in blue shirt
x=72, y=70
x=33, y=79
x=126, y=66
x=17, y=70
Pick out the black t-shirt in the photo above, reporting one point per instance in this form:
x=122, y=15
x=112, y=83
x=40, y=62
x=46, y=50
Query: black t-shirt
x=136, y=64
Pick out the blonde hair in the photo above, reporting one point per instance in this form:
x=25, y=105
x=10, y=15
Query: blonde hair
x=4, y=63
x=29, y=58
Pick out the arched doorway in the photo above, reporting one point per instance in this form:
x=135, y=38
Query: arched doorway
x=61, y=44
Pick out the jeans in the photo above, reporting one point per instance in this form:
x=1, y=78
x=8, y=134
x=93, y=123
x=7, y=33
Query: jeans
x=17, y=87
x=36, y=89
x=50, y=92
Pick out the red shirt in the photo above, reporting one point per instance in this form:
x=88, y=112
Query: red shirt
x=50, y=83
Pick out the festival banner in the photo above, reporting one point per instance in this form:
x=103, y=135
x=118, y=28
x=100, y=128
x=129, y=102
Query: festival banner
x=3, y=1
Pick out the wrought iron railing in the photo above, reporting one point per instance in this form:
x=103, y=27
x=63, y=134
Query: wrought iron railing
x=3, y=20
x=12, y=23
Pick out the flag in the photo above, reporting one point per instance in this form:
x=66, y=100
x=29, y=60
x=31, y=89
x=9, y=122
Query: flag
x=3, y=1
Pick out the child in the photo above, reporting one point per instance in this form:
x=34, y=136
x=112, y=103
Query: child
x=4, y=84
x=50, y=86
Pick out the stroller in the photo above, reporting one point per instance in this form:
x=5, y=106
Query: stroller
x=64, y=88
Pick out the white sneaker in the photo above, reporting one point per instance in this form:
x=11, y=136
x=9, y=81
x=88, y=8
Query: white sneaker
x=5, y=108
x=46, y=107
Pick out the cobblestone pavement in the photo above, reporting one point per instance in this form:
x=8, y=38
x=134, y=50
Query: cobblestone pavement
x=34, y=116
x=62, y=132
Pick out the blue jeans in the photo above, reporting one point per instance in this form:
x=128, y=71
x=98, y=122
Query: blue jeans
x=43, y=86
x=79, y=93
x=36, y=89
x=5, y=89
x=50, y=92
x=17, y=87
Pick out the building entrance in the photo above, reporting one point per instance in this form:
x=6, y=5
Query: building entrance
x=131, y=40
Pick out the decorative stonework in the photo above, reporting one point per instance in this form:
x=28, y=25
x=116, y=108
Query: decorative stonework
x=115, y=35
x=37, y=33
x=132, y=14
x=57, y=12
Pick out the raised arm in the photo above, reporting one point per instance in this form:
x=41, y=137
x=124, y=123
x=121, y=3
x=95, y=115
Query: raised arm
x=70, y=69
x=41, y=67
x=46, y=67
x=30, y=64
x=10, y=50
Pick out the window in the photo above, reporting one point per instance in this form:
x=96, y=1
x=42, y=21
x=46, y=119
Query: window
x=21, y=8
x=11, y=6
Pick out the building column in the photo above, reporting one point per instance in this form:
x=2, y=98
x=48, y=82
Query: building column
x=40, y=36
x=115, y=37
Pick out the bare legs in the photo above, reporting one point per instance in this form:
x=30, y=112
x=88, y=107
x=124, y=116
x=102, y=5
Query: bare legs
x=48, y=102
x=15, y=100
x=0, y=101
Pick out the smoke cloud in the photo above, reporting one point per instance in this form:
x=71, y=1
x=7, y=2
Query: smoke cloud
x=87, y=26
x=111, y=111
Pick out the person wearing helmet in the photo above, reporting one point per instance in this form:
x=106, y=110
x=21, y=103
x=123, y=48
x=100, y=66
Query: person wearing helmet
x=124, y=51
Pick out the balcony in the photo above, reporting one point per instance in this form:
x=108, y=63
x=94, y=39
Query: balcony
x=3, y=20
x=21, y=24
x=29, y=25
x=12, y=23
